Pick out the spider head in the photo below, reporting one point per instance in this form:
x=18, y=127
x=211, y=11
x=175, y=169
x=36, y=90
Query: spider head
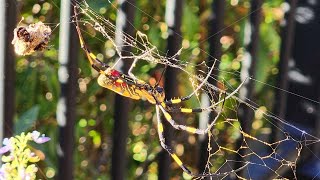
x=158, y=93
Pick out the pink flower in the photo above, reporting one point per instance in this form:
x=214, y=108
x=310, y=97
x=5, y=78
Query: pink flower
x=7, y=146
x=39, y=139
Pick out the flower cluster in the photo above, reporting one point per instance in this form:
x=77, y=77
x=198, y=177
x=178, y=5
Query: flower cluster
x=17, y=165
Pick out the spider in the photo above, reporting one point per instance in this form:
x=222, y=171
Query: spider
x=131, y=87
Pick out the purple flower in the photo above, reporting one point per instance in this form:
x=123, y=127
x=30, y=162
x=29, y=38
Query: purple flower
x=36, y=137
x=6, y=147
x=2, y=171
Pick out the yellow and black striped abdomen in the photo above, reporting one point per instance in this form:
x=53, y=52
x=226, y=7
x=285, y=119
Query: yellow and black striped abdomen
x=119, y=87
x=127, y=90
x=128, y=87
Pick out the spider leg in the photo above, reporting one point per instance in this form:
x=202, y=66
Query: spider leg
x=179, y=100
x=171, y=152
x=94, y=61
x=185, y=98
x=167, y=105
x=189, y=110
x=189, y=129
x=198, y=110
x=168, y=108
x=166, y=147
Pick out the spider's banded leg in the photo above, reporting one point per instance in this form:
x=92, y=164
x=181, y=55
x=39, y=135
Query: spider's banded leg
x=185, y=110
x=94, y=61
x=190, y=110
x=179, y=100
x=176, y=158
x=167, y=148
x=189, y=129
x=198, y=110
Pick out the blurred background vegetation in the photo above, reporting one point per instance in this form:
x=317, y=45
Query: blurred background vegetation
x=37, y=87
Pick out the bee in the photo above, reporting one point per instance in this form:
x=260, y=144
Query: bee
x=32, y=38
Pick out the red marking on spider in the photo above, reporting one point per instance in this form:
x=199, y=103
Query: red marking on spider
x=119, y=83
x=115, y=73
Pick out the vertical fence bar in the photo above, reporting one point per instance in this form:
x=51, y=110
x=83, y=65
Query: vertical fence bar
x=287, y=38
x=299, y=73
x=2, y=62
x=173, y=19
x=122, y=105
x=316, y=148
x=9, y=91
x=7, y=60
x=67, y=74
x=9, y=68
x=216, y=26
x=248, y=70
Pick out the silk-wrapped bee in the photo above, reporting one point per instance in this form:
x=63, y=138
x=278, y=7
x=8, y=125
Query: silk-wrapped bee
x=29, y=39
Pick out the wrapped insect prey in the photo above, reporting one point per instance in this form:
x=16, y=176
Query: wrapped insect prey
x=32, y=38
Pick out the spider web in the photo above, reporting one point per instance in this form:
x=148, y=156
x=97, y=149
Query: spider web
x=257, y=152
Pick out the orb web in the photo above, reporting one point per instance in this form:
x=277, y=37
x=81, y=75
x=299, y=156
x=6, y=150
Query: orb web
x=257, y=152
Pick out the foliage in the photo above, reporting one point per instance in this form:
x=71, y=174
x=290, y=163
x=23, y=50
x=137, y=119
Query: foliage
x=37, y=86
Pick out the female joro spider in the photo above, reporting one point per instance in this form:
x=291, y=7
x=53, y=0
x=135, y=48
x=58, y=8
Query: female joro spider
x=131, y=87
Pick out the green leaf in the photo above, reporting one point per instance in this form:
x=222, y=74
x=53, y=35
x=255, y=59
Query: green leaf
x=26, y=120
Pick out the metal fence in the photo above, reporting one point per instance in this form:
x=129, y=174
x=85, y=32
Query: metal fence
x=296, y=46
